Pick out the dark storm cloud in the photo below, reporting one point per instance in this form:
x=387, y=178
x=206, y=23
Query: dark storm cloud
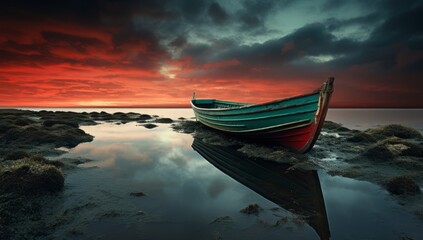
x=217, y=13
x=400, y=27
x=77, y=43
x=398, y=32
x=191, y=10
x=371, y=40
x=253, y=13
x=310, y=40
x=363, y=21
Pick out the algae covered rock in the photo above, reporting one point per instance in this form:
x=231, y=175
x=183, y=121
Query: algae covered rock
x=58, y=135
x=378, y=152
x=393, y=130
x=361, y=137
x=150, y=125
x=51, y=122
x=15, y=155
x=187, y=126
x=252, y=209
x=163, y=120
x=30, y=175
x=143, y=117
x=402, y=185
x=392, y=147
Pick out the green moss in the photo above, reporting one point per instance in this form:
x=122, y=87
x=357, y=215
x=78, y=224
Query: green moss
x=14, y=112
x=6, y=125
x=299, y=220
x=137, y=194
x=143, y=117
x=15, y=155
x=23, y=121
x=51, y=122
x=31, y=175
x=186, y=126
x=150, y=125
x=361, y=137
x=253, y=209
x=395, y=130
x=223, y=220
x=413, y=150
x=378, y=153
x=391, y=147
x=402, y=185
x=35, y=135
x=120, y=116
x=163, y=120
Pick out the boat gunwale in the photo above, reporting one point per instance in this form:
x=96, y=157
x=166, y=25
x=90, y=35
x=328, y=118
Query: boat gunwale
x=254, y=105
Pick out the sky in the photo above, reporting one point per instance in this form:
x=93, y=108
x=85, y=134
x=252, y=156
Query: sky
x=156, y=53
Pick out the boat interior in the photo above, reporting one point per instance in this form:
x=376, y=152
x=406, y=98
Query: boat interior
x=213, y=103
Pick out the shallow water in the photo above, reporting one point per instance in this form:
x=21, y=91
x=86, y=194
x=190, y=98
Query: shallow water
x=186, y=193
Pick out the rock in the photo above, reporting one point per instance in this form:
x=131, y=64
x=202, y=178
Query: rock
x=361, y=137
x=163, y=120
x=392, y=147
x=395, y=130
x=122, y=117
x=150, y=125
x=378, y=152
x=6, y=125
x=186, y=126
x=299, y=220
x=58, y=135
x=137, y=194
x=30, y=176
x=23, y=122
x=50, y=123
x=402, y=185
x=413, y=150
x=143, y=117
x=251, y=209
x=223, y=220
x=15, y=155
x=110, y=214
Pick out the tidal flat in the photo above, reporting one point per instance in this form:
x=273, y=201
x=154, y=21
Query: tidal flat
x=133, y=175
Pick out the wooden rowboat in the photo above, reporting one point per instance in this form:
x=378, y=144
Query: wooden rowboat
x=294, y=190
x=293, y=122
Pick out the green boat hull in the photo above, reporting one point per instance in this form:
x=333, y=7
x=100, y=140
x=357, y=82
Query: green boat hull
x=292, y=122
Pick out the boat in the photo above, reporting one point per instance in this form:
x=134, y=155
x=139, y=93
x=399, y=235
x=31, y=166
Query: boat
x=296, y=191
x=293, y=122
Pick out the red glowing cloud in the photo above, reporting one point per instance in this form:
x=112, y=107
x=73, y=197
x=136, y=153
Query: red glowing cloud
x=109, y=54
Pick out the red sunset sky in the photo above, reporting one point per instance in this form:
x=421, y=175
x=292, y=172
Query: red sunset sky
x=156, y=53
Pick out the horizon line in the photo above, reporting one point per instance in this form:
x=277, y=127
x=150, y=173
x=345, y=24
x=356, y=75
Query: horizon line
x=188, y=106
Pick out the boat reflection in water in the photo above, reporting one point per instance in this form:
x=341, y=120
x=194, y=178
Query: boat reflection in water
x=296, y=191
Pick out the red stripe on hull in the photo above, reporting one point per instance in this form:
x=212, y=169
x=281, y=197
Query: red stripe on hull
x=295, y=138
